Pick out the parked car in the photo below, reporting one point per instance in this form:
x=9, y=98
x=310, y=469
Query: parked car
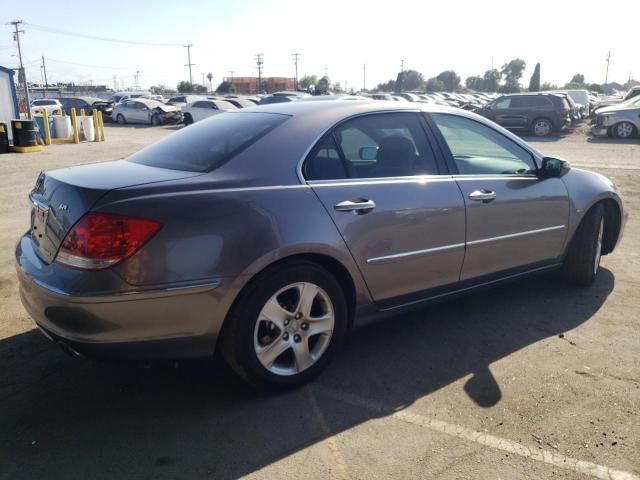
x=201, y=109
x=620, y=121
x=146, y=111
x=50, y=105
x=182, y=100
x=88, y=104
x=240, y=102
x=538, y=113
x=633, y=92
x=119, y=97
x=261, y=233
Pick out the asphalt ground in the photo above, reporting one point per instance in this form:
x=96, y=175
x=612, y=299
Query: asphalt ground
x=531, y=380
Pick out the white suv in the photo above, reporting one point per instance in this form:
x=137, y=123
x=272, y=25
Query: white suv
x=49, y=104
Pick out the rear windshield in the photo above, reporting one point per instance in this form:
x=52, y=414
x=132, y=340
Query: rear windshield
x=206, y=145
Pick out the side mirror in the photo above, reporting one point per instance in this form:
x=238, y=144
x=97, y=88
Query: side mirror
x=554, y=167
x=368, y=153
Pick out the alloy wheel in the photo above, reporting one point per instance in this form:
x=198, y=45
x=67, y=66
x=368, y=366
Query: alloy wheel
x=624, y=130
x=542, y=128
x=294, y=328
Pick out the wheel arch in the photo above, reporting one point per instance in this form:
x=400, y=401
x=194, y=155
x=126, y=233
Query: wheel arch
x=334, y=266
x=612, y=224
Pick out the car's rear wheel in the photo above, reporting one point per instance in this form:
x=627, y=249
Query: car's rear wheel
x=582, y=262
x=286, y=326
x=188, y=119
x=624, y=130
x=542, y=127
x=120, y=119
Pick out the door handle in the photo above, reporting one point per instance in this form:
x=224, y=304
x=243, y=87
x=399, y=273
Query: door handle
x=358, y=206
x=483, y=195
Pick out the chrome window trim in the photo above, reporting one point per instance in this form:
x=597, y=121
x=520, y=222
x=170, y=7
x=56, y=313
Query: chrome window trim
x=380, y=180
x=326, y=130
x=515, y=235
x=426, y=251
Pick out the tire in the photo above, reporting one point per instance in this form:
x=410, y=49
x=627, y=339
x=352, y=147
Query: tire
x=624, y=130
x=188, y=119
x=271, y=355
x=155, y=121
x=582, y=261
x=542, y=127
x=120, y=119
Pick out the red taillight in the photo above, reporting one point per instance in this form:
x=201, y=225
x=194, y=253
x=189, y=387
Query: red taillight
x=100, y=240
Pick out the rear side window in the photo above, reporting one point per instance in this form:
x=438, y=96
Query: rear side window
x=207, y=145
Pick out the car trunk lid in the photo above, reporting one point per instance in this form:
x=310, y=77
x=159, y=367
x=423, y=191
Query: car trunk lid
x=61, y=197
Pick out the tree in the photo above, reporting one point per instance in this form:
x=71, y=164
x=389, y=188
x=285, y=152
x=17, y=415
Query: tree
x=595, y=87
x=210, y=78
x=492, y=80
x=450, y=79
x=185, y=87
x=226, y=87
x=573, y=86
x=631, y=83
x=509, y=87
x=323, y=85
x=337, y=87
x=307, y=82
x=578, y=78
x=534, y=83
x=197, y=88
x=548, y=86
x=161, y=90
x=512, y=71
x=409, y=80
x=390, y=86
x=476, y=83
x=435, y=85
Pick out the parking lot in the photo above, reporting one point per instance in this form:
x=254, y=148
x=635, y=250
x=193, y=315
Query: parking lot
x=532, y=380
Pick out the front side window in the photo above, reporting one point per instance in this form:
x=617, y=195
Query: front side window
x=480, y=150
x=503, y=103
x=385, y=145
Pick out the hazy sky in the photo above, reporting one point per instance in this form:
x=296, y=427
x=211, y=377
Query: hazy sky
x=566, y=37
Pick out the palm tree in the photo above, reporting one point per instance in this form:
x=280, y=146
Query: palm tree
x=210, y=78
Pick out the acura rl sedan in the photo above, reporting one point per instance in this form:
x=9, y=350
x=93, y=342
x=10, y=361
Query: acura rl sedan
x=268, y=233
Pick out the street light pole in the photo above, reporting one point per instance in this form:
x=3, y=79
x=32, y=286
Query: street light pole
x=295, y=61
x=46, y=83
x=16, y=37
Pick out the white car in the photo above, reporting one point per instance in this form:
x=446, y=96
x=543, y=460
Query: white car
x=201, y=109
x=48, y=104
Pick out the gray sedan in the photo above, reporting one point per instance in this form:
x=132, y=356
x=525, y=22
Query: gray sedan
x=269, y=232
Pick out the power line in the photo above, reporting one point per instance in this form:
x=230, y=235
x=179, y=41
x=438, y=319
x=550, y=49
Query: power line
x=102, y=39
x=93, y=66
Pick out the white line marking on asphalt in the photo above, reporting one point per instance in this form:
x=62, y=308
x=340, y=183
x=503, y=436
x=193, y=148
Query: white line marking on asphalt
x=332, y=445
x=552, y=458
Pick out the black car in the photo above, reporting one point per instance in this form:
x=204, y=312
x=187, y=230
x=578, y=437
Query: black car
x=88, y=104
x=538, y=113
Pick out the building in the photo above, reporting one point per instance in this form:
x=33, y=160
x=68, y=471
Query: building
x=249, y=85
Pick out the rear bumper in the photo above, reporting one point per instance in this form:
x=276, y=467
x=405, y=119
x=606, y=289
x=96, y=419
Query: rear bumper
x=166, y=322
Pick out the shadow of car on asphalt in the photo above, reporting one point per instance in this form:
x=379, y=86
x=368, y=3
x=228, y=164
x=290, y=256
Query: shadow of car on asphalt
x=73, y=418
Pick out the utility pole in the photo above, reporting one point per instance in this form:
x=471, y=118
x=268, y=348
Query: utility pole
x=364, y=76
x=46, y=82
x=231, y=72
x=16, y=37
x=402, y=64
x=136, y=76
x=295, y=61
x=188, y=47
x=325, y=70
x=260, y=63
x=606, y=75
x=203, y=84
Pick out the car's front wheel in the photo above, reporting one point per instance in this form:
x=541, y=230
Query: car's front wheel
x=286, y=326
x=120, y=119
x=624, y=130
x=542, y=127
x=187, y=119
x=582, y=261
x=155, y=120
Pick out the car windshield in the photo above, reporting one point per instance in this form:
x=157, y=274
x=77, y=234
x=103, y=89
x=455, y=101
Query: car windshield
x=211, y=143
